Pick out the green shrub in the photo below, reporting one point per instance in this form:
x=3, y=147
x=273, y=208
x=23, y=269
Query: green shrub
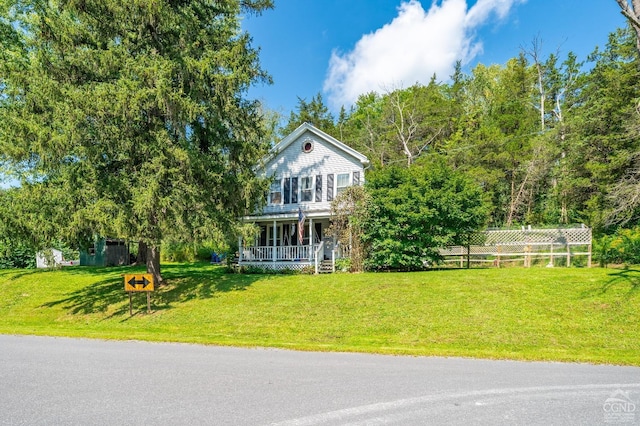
x=178, y=252
x=188, y=252
x=623, y=247
x=307, y=270
x=250, y=269
x=16, y=256
x=418, y=210
x=343, y=264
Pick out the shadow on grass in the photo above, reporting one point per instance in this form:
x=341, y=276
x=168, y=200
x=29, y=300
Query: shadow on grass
x=182, y=283
x=619, y=279
x=15, y=274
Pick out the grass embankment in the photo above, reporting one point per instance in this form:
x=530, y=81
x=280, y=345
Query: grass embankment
x=563, y=314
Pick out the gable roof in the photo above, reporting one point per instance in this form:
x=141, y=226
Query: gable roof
x=306, y=127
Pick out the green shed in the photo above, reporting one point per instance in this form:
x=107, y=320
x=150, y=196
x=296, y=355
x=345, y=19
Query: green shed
x=106, y=252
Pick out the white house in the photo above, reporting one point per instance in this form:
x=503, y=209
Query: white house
x=309, y=168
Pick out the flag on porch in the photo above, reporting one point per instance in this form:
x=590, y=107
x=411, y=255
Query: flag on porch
x=301, y=218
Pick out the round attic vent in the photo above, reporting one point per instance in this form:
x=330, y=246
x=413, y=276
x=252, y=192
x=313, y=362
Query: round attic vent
x=307, y=146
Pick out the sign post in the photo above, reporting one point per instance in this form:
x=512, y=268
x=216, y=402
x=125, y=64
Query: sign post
x=139, y=283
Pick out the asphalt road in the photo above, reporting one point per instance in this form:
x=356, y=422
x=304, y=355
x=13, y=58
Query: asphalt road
x=55, y=381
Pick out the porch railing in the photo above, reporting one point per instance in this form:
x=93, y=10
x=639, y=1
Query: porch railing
x=283, y=253
x=257, y=253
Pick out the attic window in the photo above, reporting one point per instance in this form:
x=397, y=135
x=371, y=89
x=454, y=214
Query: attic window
x=307, y=146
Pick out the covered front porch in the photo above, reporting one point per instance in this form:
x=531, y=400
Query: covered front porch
x=288, y=243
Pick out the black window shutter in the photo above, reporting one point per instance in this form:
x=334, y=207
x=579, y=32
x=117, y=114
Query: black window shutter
x=318, y=188
x=356, y=178
x=294, y=190
x=330, y=187
x=287, y=190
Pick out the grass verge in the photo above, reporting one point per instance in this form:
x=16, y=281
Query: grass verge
x=560, y=314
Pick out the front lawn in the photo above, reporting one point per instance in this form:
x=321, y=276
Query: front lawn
x=563, y=314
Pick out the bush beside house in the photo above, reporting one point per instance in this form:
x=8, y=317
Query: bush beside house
x=415, y=211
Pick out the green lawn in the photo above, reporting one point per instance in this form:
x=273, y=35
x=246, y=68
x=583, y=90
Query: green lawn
x=563, y=314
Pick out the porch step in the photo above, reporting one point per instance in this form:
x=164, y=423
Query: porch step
x=325, y=267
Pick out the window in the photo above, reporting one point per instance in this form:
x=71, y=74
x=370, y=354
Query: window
x=275, y=196
x=307, y=146
x=319, y=189
x=306, y=188
x=330, y=187
x=342, y=182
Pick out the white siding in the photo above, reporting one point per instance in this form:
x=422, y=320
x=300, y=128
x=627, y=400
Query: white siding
x=324, y=159
x=43, y=259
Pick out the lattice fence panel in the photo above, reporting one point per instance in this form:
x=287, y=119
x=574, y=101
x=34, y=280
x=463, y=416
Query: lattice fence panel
x=279, y=266
x=501, y=244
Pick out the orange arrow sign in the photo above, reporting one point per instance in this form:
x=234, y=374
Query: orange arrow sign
x=138, y=282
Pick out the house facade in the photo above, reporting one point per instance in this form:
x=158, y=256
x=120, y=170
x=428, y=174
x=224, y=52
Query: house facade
x=309, y=169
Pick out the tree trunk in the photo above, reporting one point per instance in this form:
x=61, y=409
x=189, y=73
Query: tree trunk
x=512, y=201
x=535, y=52
x=632, y=13
x=153, y=263
x=141, y=259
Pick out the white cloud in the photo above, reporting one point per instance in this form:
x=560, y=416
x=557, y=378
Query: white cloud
x=410, y=49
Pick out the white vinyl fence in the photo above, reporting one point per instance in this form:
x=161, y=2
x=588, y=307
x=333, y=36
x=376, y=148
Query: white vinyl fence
x=499, y=246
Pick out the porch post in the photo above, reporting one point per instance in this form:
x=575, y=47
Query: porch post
x=310, y=239
x=240, y=248
x=275, y=240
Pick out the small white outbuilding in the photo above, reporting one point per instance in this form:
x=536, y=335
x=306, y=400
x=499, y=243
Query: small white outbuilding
x=49, y=258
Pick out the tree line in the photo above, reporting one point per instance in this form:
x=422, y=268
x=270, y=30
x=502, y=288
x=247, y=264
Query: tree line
x=132, y=120
x=550, y=139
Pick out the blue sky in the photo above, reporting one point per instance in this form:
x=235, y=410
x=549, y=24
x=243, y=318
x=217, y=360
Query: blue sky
x=342, y=48
x=378, y=45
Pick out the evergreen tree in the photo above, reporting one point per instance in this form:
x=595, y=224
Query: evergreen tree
x=131, y=116
x=315, y=113
x=601, y=148
x=607, y=143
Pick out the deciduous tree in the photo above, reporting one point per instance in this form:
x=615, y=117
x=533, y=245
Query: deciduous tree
x=415, y=211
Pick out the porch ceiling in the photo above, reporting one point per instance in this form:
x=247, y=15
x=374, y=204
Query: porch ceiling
x=286, y=217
